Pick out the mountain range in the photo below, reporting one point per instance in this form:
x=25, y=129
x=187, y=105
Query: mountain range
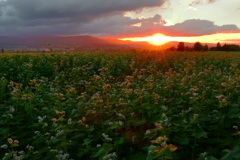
x=76, y=41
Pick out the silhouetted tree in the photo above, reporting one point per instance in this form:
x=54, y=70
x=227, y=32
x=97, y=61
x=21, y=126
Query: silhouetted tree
x=198, y=46
x=181, y=46
x=205, y=48
x=213, y=48
x=49, y=46
x=230, y=47
x=2, y=50
x=219, y=47
x=172, y=48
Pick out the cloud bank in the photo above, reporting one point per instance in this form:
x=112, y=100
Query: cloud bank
x=95, y=17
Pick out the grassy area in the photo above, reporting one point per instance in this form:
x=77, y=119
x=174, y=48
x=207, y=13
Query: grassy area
x=223, y=51
x=122, y=104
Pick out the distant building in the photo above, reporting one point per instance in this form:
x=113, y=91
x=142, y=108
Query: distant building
x=44, y=50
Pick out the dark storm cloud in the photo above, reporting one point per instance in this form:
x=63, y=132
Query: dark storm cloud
x=57, y=16
x=86, y=9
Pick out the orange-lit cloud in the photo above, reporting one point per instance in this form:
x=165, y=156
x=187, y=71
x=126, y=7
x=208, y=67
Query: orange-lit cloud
x=197, y=2
x=188, y=28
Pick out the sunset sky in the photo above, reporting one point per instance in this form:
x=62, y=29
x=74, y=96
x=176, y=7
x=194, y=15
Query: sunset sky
x=174, y=20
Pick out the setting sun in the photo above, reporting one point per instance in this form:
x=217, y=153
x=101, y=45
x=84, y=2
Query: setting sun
x=156, y=39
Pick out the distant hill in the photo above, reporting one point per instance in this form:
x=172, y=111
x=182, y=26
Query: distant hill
x=76, y=41
x=57, y=42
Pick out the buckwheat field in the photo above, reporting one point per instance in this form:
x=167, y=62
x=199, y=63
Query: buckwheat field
x=120, y=105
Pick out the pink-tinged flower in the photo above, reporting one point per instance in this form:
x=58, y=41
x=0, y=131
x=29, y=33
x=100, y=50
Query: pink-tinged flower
x=63, y=112
x=54, y=120
x=16, y=141
x=148, y=132
x=121, y=115
x=158, y=126
x=80, y=121
x=84, y=119
x=57, y=112
x=10, y=140
x=224, y=100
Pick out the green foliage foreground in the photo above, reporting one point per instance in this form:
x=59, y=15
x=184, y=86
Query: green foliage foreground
x=122, y=105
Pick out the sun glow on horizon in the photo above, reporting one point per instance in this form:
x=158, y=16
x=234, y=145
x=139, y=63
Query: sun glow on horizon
x=156, y=39
x=160, y=39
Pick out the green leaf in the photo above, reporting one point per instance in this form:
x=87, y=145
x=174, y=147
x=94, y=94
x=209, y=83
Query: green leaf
x=200, y=134
x=167, y=153
x=81, y=152
x=87, y=141
x=44, y=149
x=236, y=152
x=205, y=118
x=234, y=113
x=139, y=122
x=119, y=141
x=227, y=154
x=54, y=140
x=40, y=140
x=181, y=140
x=178, y=100
x=27, y=107
x=101, y=152
x=61, y=119
x=213, y=158
x=151, y=156
x=91, y=128
x=227, y=141
x=138, y=156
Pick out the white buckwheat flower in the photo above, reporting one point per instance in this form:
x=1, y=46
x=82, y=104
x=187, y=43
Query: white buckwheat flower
x=4, y=146
x=12, y=110
x=120, y=123
x=235, y=127
x=69, y=121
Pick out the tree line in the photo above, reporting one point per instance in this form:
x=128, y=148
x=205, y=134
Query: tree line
x=202, y=48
